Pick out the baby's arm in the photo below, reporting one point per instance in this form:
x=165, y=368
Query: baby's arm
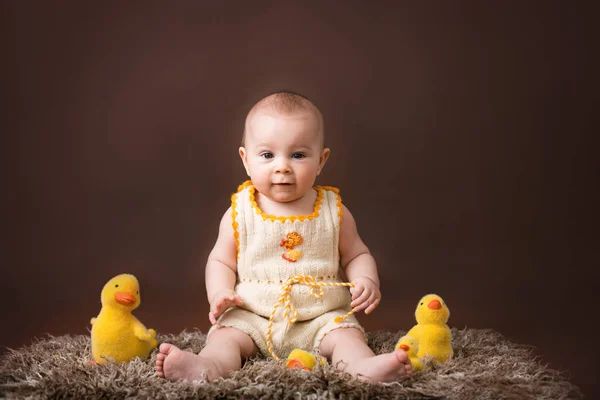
x=221, y=271
x=359, y=265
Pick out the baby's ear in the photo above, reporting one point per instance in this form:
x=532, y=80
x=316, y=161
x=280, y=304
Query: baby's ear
x=244, y=157
x=323, y=159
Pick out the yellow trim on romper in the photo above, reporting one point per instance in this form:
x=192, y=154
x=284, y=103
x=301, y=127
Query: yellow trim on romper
x=338, y=199
x=292, y=218
x=234, y=224
x=339, y=206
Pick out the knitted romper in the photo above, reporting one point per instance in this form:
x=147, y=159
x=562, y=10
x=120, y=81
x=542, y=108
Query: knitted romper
x=274, y=249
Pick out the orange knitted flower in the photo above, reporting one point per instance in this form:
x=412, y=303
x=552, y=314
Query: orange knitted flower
x=291, y=239
x=289, y=242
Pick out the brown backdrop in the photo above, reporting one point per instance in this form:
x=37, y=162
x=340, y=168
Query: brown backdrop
x=460, y=137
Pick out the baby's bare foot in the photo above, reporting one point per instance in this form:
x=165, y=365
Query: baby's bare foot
x=175, y=364
x=388, y=367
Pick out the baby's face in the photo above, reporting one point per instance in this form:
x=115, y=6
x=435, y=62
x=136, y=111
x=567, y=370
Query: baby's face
x=283, y=154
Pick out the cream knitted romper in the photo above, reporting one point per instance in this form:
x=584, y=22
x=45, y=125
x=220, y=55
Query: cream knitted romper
x=269, y=253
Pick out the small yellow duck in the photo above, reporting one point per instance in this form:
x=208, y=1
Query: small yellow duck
x=118, y=336
x=410, y=345
x=303, y=359
x=431, y=333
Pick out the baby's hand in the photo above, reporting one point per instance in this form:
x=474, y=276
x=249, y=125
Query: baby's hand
x=222, y=301
x=365, y=295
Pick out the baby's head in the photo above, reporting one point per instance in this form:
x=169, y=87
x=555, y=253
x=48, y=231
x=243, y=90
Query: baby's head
x=283, y=146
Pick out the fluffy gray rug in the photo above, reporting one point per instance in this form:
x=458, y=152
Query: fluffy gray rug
x=485, y=366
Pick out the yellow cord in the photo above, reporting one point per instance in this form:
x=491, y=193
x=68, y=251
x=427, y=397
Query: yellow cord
x=289, y=312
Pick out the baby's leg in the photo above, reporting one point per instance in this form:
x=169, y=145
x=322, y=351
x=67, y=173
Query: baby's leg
x=349, y=353
x=224, y=353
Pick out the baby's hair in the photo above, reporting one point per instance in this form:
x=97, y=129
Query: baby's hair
x=285, y=102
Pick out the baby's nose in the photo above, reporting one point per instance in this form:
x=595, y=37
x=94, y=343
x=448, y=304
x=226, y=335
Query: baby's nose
x=282, y=166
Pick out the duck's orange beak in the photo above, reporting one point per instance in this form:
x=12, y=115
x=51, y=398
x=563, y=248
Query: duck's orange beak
x=404, y=347
x=293, y=363
x=434, y=305
x=125, y=298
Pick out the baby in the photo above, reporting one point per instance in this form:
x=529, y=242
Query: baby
x=280, y=226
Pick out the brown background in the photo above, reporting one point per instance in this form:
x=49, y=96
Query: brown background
x=460, y=137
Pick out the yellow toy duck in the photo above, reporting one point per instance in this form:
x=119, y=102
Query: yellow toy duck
x=432, y=335
x=118, y=336
x=303, y=359
x=410, y=345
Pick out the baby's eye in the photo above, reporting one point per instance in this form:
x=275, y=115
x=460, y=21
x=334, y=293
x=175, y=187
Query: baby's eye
x=266, y=154
x=298, y=155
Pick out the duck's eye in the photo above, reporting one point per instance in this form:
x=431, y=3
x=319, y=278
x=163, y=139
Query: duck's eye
x=137, y=292
x=422, y=303
x=117, y=285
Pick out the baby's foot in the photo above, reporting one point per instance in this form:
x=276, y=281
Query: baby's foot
x=382, y=368
x=175, y=364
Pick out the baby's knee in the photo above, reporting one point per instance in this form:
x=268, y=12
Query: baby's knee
x=340, y=335
x=227, y=336
x=351, y=333
x=225, y=333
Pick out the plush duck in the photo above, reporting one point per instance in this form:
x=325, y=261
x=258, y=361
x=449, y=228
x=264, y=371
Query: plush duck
x=303, y=359
x=431, y=332
x=117, y=335
x=410, y=345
